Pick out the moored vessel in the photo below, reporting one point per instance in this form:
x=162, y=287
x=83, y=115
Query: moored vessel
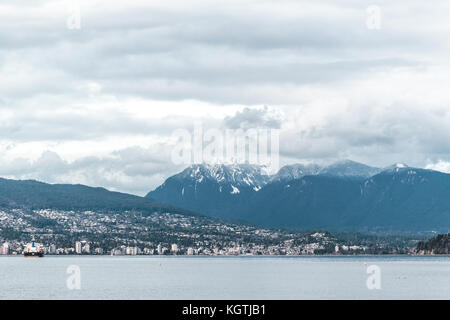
x=33, y=249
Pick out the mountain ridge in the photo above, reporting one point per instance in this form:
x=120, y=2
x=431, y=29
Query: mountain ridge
x=343, y=196
x=33, y=194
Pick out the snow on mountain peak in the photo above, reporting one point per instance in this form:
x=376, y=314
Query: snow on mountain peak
x=235, y=190
x=237, y=174
x=349, y=168
x=238, y=178
x=296, y=171
x=343, y=168
x=396, y=167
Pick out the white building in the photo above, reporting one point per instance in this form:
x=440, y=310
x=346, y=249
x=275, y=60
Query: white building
x=116, y=252
x=132, y=251
x=52, y=249
x=174, y=248
x=78, y=248
x=148, y=251
x=4, y=250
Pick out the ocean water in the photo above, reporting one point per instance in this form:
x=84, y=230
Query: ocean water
x=237, y=278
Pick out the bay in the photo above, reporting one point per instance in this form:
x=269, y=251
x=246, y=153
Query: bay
x=215, y=278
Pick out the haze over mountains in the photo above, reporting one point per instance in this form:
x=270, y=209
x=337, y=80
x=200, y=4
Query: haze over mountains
x=343, y=196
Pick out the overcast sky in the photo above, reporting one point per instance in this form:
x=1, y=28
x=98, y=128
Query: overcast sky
x=98, y=105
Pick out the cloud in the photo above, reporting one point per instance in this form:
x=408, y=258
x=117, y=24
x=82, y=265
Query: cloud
x=98, y=105
x=135, y=170
x=442, y=166
x=170, y=52
x=254, y=118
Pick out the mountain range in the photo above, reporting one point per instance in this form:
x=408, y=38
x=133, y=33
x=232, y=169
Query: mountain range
x=60, y=215
x=345, y=196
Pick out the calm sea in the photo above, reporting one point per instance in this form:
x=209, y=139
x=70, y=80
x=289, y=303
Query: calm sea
x=237, y=278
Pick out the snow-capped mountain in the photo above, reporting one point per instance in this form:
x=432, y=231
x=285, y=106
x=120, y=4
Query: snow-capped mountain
x=396, y=167
x=404, y=196
x=343, y=196
x=348, y=168
x=232, y=176
x=296, y=171
x=398, y=199
x=216, y=190
x=345, y=168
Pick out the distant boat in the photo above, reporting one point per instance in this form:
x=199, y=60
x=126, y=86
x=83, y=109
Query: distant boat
x=33, y=249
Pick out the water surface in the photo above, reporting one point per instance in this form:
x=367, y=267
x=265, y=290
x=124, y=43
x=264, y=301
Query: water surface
x=237, y=278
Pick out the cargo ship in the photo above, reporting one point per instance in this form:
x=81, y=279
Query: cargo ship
x=33, y=249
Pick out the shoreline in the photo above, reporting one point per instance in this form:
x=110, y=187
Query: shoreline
x=239, y=256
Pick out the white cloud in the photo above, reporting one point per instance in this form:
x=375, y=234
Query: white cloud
x=442, y=166
x=138, y=70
